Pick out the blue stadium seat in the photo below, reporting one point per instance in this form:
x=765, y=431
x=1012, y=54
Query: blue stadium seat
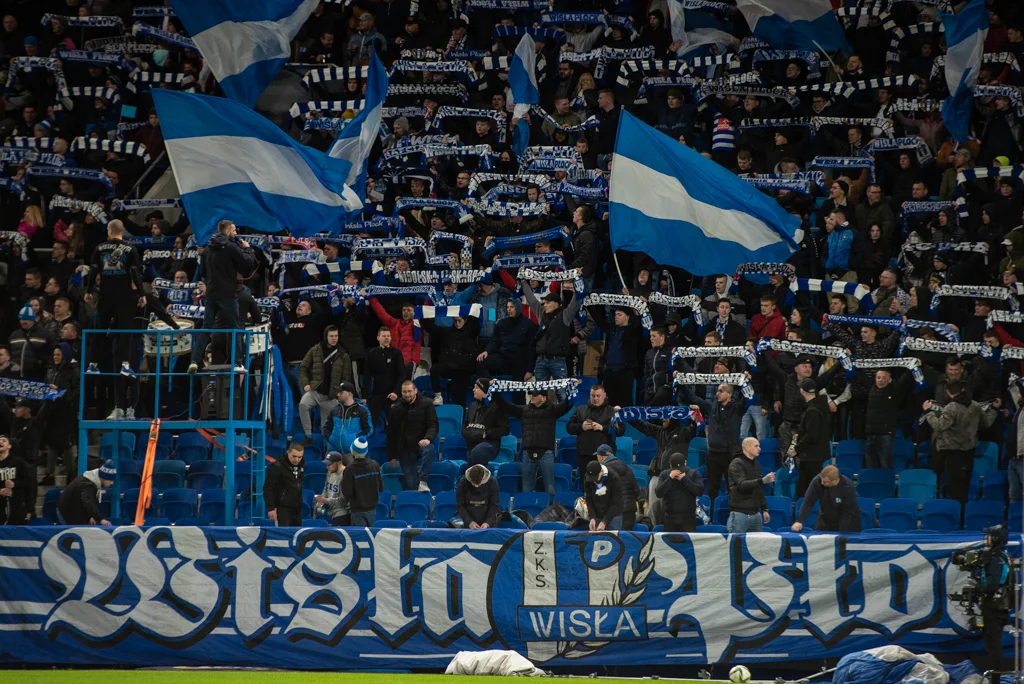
x=697, y=454
x=384, y=506
x=130, y=503
x=567, y=499
x=993, y=486
x=117, y=445
x=317, y=467
x=513, y=524
x=566, y=450
x=531, y=502
x=412, y=506
x=308, y=501
x=867, y=512
x=785, y=483
x=314, y=481
x=515, y=427
x=850, y=460
x=780, y=508
x=444, y=506
x=917, y=484
x=564, y=478
x=213, y=506
x=454, y=448
x=876, y=483
x=721, y=513
x=549, y=526
x=624, y=449
x=769, y=460
x=640, y=527
x=509, y=448
x=812, y=518
x=646, y=450
x=204, y=480
x=560, y=426
x=164, y=446
x=981, y=514
x=243, y=514
x=510, y=478
x=390, y=524
x=129, y=473
x=771, y=445
x=881, y=530
x=902, y=454
x=315, y=522
x=1016, y=515
x=392, y=477
x=898, y=514
x=40, y=521
x=243, y=477
x=449, y=420
x=191, y=446
x=986, y=457
x=50, y=500
x=168, y=475
x=505, y=501
x=940, y=515
x=849, y=446
x=178, y=503
x=443, y=475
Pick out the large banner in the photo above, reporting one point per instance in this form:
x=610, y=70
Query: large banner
x=356, y=598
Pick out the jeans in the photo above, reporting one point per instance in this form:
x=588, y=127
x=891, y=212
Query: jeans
x=363, y=518
x=879, y=451
x=614, y=524
x=483, y=453
x=550, y=368
x=416, y=466
x=1016, y=478
x=546, y=465
x=228, y=310
x=291, y=371
x=310, y=400
x=744, y=522
x=753, y=415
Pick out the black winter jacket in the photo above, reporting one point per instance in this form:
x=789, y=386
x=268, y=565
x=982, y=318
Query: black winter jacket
x=608, y=505
x=409, y=423
x=514, y=339
x=657, y=370
x=538, y=423
x=676, y=441
x=78, y=502
x=23, y=496
x=456, y=346
x=361, y=485
x=746, y=488
x=223, y=261
x=283, y=485
x=485, y=422
x=884, y=405
x=679, y=497
x=386, y=369
x=477, y=504
x=721, y=422
x=352, y=323
x=786, y=386
x=882, y=348
x=630, y=487
x=587, y=441
x=839, y=511
x=584, y=249
x=814, y=436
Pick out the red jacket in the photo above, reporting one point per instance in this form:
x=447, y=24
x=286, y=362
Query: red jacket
x=404, y=336
x=775, y=326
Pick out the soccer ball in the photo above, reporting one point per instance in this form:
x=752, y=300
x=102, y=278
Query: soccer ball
x=739, y=674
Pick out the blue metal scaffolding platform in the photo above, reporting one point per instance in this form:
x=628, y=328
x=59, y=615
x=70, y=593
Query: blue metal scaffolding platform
x=237, y=416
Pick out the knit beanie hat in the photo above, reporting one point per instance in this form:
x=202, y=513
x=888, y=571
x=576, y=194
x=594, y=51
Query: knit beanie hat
x=360, y=447
x=27, y=313
x=107, y=470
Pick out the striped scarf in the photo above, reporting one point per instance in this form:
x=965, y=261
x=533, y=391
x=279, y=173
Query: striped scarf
x=413, y=291
x=331, y=73
x=800, y=348
x=26, y=389
x=110, y=59
x=178, y=293
x=175, y=39
x=845, y=163
x=500, y=244
x=387, y=246
x=736, y=379
x=886, y=125
x=714, y=353
x=707, y=89
x=93, y=175
x=18, y=239
x=924, y=153
x=650, y=66
x=570, y=385
x=657, y=82
x=999, y=316
x=479, y=178
x=500, y=118
x=135, y=205
x=151, y=255
x=974, y=292
x=689, y=301
x=491, y=208
x=939, y=347
x=590, y=194
x=651, y=413
x=911, y=363
x=30, y=63
x=808, y=57
x=764, y=268
x=591, y=122
x=800, y=186
x=92, y=208
x=84, y=22
x=857, y=290
x=456, y=276
x=510, y=261
x=875, y=321
x=117, y=146
x=636, y=303
x=975, y=247
x=466, y=252
x=464, y=311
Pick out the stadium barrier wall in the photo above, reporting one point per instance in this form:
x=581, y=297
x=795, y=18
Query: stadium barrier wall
x=288, y=598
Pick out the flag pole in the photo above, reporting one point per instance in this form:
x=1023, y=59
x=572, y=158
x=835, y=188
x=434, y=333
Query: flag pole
x=826, y=55
x=615, y=258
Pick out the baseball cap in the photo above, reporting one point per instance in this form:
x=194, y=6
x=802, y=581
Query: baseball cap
x=805, y=359
x=677, y=461
x=807, y=385
x=604, y=450
x=1007, y=241
x=552, y=297
x=593, y=471
x=347, y=387
x=333, y=457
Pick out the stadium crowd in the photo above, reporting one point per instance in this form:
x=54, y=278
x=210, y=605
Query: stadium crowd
x=852, y=144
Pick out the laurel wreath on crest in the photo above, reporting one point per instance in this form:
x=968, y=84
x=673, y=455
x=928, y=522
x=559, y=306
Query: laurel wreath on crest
x=627, y=591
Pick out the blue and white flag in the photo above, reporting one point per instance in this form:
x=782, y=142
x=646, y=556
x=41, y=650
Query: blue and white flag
x=232, y=163
x=965, y=41
x=795, y=24
x=522, y=79
x=355, y=141
x=695, y=23
x=244, y=42
x=668, y=200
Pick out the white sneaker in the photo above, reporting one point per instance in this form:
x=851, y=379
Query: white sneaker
x=241, y=369
x=116, y=414
x=129, y=413
x=193, y=368
x=438, y=400
x=424, y=487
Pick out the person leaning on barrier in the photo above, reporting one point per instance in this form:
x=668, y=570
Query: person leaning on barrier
x=837, y=497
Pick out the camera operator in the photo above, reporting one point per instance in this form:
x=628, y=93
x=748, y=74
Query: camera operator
x=995, y=590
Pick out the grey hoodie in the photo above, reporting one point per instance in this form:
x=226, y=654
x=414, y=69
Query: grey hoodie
x=337, y=506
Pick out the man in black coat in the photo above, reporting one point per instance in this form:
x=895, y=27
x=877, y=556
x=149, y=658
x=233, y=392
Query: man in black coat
x=282, y=488
x=225, y=258
x=412, y=429
x=630, y=488
x=78, y=503
x=17, y=486
x=603, y=491
x=476, y=499
x=722, y=426
x=486, y=423
x=837, y=497
x=677, y=488
x=385, y=369
x=885, y=401
x=812, y=444
x=592, y=425
x=748, y=509
x=732, y=333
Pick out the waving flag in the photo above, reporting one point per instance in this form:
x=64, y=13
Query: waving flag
x=700, y=23
x=965, y=40
x=522, y=79
x=232, y=163
x=355, y=141
x=668, y=200
x=244, y=42
x=795, y=24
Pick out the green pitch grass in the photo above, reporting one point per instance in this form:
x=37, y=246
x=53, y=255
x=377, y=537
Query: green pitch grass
x=249, y=677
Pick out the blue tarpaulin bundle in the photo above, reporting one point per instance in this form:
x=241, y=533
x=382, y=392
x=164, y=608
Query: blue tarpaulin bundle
x=896, y=665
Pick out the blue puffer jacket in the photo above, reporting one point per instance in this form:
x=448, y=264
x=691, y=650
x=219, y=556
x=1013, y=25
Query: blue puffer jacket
x=840, y=249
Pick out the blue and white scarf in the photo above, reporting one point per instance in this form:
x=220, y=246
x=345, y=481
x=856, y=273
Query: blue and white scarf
x=22, y=155
x=591, y=122
x=974, y=292
x=483, y=152
x=574, y=274
x=177, y=293
x=886, y=125
x=1000, y=316
x=636, y=303
x=121, y=44
x=84, y=22
x=911, y=208
x=510, y=261
x=765, y=268
x=176, y=39
x=151, y=255
x=861, y=292
x=26, y=389
x=301, y=109
x=29, y=63
x=589, y=18
x=808, y=57
x=946, y=348
x=333, y=294
x=465, y=253
x=651, y=413
x=299, y=256
x=403, y=203
x=650, y=66
x=30, y=141
x=436, y=90
x=689, y=301
x=760, y=183
x=327, y=74
x=714, y=352
x=110, y=59
x=153, y=11
x=465, y=311
x=504, y=190
x=93, y=175
x=569, y=385
x=656, y=82
x=845, y=163
x=779, y=93
x=17, y=238
x=500, y=244
x=924, y=153
x=500, y=118
x=117, y=146
x=894, y=322
x=479, y=178
x=387, y=246
x=550, y=152
x=973, y=247
x=506, y=5
x=415, y=290
x=591, y=194
x=457, y=276
x=735, y=379
x=799, y=348
x=108, y=94
x=92, y=208
x=491, y=208
x=913, y=364
x=501, y=31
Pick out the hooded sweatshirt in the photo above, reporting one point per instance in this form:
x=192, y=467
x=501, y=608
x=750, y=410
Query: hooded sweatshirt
x=1013, y=260
x=22, y=500
x=477, y=503
x=222, y=263
x=337, y=505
